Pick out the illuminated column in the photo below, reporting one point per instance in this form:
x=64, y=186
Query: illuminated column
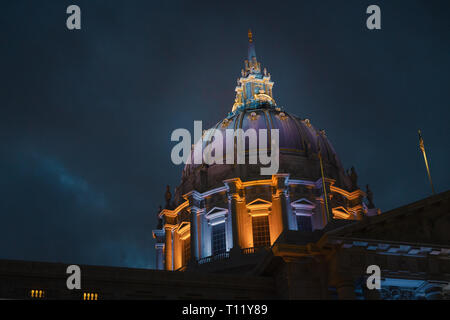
x=283, y=195
x=229, y=230
x=159, y=247
x=177, y=249
x=169, y=248
x=233, y=199
x=195, y=202
x=194, y=234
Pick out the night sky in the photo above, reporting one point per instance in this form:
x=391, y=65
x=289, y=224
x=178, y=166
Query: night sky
x=86, y=116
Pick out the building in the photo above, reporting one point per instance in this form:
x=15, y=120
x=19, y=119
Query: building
x=410, y=244
x=227, y=207
x=227, y=218
x=307, y=232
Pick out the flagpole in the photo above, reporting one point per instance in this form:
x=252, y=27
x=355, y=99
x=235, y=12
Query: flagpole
x=422, y=147
x=323, y=179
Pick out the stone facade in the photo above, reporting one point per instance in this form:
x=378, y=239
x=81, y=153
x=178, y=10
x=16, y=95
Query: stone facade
x=325, y=264
x=311, y=189
x=307, y=232
x=306, y=215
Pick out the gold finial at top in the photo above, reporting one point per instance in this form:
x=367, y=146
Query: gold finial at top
x=421, y=144
x=250, y=35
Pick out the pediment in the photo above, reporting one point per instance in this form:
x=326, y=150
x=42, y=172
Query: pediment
x=216, y=212
x=341, y=213
x=259, y=203
x=303, y=203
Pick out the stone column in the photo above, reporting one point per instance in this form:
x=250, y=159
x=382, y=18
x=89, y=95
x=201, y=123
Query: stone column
x=195, y=203
x=160, y=237
x=169, y=249
x=282, y=193
x=194, y=234
x=233, y=198
x=159, y=247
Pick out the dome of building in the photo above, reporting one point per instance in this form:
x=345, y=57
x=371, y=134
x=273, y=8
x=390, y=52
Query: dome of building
x=299, y=144
x=227, y=203
x=255, y=108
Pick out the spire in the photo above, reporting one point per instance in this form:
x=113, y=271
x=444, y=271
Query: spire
x=254, y=87
x=252, y=65
x=251, y=47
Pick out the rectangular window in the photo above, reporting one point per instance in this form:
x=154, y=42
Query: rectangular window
x=218, y=244
x=37, y=294
x=90, y=296
x=304, y=223
x=186, y=250
x=261, y=232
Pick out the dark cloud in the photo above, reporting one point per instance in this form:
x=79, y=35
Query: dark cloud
x=86, y=115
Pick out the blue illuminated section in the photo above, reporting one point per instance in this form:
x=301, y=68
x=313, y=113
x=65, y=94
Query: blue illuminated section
x=395, y=289
x=403, y=283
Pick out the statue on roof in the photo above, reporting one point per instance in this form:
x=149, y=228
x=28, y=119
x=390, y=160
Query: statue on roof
x=168, y=196
x=369, y=195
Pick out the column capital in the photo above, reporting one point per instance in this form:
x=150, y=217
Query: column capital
x=238, y=196
x=281, y=180
x=280, y=184
x=195, y=199
x=233, y=185
x=235, y=195
x=159, y=234
x=235, y=189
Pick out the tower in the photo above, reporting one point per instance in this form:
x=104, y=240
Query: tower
x=230, y=212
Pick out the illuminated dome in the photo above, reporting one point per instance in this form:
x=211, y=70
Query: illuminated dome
x=222, y=210
x=255, y=107
x=299, y=145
